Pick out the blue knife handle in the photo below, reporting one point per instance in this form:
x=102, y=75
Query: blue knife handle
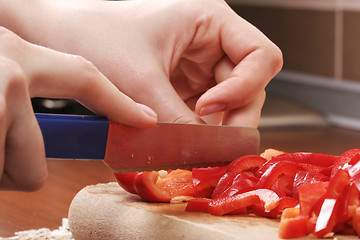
x=74, y=136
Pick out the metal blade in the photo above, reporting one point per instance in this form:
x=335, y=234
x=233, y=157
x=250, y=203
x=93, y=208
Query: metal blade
x=172, y=146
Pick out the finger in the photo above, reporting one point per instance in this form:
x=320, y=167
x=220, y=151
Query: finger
x=254, y=60
x=58, y=75
x=223, y=69
x=213, y=119
x=247, y=116
x=69, y=76
x=160, y=95
x=21, y=145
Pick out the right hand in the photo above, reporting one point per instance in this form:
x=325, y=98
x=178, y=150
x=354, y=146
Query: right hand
x=27, y=71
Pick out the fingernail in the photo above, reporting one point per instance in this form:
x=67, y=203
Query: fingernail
x=147, y=110
x=212, y=108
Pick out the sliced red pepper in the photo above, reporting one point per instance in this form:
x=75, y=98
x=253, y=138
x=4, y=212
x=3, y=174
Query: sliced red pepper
x=250, y=162
x=310, y=161
x=348, y=199
x=145, y=186
x=315, y=159
x=326, y=171
x=310, y=194
x=292, y=224
x=284, y=203
x=126, y=181
x=304, y=177
x=354, y=170
x=198, y=205
x=337, y=184
x=151, y=187
x=178, y=183
x=335, y=189
x=356, y=220
x=210, y=174
x=330, y=202
x=224, y=183
x=221, y=206
x=326, y=219
x=283, y=186
x=345, y=158
x=271, y=175
x=243, y=182
x=206, y=179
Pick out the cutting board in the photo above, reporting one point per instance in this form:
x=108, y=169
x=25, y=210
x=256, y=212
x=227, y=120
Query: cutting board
x=105, y=211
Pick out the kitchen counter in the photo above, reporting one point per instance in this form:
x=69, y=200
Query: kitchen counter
x=46, y=207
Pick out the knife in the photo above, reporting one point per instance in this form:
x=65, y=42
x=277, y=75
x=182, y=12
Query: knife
x=130, y=149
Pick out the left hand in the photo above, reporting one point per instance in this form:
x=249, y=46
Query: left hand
x=175, y=56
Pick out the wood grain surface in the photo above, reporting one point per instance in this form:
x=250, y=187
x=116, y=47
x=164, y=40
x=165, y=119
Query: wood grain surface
x=46, y=207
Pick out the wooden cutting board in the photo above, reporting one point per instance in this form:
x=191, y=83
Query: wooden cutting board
x=105, y=211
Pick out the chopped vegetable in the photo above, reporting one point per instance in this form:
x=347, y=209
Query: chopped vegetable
x=310, y=193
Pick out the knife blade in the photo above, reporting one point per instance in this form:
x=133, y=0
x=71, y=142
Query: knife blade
x=129, y=149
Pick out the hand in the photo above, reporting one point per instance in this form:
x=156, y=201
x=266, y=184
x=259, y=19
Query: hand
x=175, y=56
x=26, y=71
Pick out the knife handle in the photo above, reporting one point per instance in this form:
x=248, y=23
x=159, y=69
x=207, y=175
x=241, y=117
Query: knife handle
x=74, y=136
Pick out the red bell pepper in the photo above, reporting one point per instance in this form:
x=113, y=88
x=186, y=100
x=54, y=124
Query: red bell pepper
x=305, y=177
x=315, y=159
x=327, y=218
x=248, y=163
x=337, y=184
x=330, y=203
x=309, y=161
x=326, y=188
x=293, y=224
x=309, y=196
x=346, y=157
x=221, y=206
x=198, y=205
x=206, y=179
x=126, y=181
x=348, y=199
x=151, y=187
x=354, y=170
x=284, y=203
x=283, y=186
x=271, y=175
x=243, y=182
x=356, y=220
x=224, y=183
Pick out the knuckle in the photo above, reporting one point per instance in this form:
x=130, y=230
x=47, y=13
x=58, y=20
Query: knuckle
x=6, y=34
x=13, y=83
x=11, y=73
x=16, y=81
x=85, y=65
x=8, y=40
x=276, y=59
x=88, y=75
